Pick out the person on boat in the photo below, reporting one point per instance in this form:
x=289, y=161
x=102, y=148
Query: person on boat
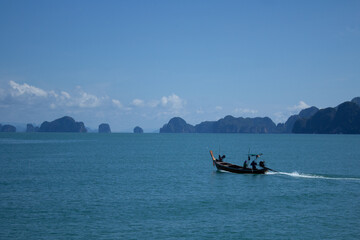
x=262, y=164
x=245, y=164
x=221, y=158
x=253, y=164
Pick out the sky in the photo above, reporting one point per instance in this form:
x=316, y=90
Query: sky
x=140, y=63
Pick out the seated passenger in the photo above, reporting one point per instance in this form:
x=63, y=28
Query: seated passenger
x=245, y=164
x=253, y=164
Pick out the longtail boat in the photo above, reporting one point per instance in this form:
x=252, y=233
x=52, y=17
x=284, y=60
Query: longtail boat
x=229, y=167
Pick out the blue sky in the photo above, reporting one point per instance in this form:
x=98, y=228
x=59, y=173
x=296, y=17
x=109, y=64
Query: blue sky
x=132, y=63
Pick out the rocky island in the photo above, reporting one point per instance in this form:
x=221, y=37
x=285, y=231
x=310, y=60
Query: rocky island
x=7, y=128
x=104, y=128
x=30, y=128
x=177, y=125
x=64, y=124
x=138, y=129
x=343, y=119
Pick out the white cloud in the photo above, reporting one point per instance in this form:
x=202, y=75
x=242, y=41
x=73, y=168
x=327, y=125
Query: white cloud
x=153, y=103
x=65, y=95
x=117, y=103
x=302, y=105
x=25, y=89
x=173, y=101
x=40, y=103
x=200, y=111
x=138, y=102
x=87, y=100
x=279, y=117
x=27, y=95
x=218, y=108
x=245, y=111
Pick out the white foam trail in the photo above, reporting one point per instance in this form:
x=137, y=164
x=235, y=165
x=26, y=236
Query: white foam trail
x=302, y=175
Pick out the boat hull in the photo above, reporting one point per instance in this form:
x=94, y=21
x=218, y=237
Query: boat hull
x=237, y=169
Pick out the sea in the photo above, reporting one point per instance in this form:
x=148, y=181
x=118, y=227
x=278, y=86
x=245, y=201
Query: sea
x=164, y=186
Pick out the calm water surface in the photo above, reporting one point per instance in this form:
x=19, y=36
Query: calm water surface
x=163, y=186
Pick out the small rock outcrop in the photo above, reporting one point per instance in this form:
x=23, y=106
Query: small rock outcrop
x=7, y=128
x=64, y=124
x=104, y=128
x=30, y=128
x=138, y=129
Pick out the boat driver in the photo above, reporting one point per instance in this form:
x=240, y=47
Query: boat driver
x=262, y=164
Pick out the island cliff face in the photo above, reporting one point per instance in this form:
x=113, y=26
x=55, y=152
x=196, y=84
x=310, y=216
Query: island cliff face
x=230, y=124
x=64, y=124
x=344, y=119
x=104, y=128
x=288, y=126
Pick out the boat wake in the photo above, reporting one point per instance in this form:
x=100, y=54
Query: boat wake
x=303, y=175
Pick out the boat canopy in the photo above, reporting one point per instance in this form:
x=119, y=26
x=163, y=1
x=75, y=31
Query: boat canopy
x=254, y=154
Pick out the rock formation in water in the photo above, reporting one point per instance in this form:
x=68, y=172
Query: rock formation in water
x=7, y=128
x=177, y=125
x=344, y=119
x=138, y=129
x=64, y=124
x=104, y=128
x=30, y=128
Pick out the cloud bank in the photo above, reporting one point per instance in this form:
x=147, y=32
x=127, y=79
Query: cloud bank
x=33, y=104
x=24, y=98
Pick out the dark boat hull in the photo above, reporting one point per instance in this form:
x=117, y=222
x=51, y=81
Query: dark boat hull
x=224, y=166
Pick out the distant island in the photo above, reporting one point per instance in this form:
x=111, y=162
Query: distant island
x=7, y=128
x=230, y=124
x=64, y=124
x=104, y=128
x=30, y=128
x=138, y=129
x=344, y=119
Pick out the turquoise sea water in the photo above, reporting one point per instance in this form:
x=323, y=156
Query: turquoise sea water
x=163, y=186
